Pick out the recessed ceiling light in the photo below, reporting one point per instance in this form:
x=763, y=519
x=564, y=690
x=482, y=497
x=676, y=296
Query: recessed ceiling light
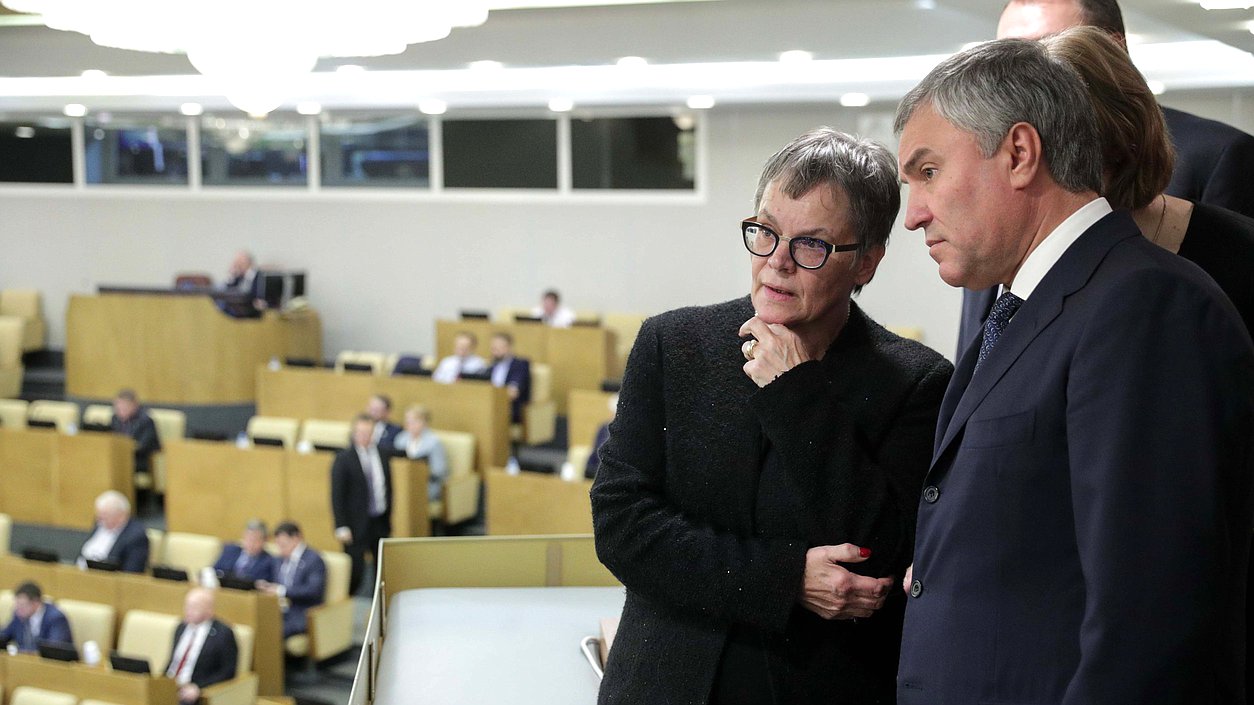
x=432, y=106
x=94, y=73
x=1226, y=4
x=486, y=65
x=795, y=56
x=632, y=62
x=701, y=102
x=75, y=110
x=349, y=68
x=308, y=107
x=925, y=4
x=191, y=109
x=24, y=132
x=1157, y=87
x=561, y=105
x=855, y=100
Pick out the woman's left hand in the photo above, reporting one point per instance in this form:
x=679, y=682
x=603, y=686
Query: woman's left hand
x=775, y=350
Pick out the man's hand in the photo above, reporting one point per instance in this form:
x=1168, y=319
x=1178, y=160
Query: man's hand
x=344, y=535
x=832, y=592
x=189, y=693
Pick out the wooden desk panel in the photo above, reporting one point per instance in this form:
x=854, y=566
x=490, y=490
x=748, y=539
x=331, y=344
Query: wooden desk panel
x=586, y=411
x=174, y=349
x=532, y=504
x=215, y=488
x=53, y=479
x=28, y=482
x=531, y=340
x=83, y=681
x=410, y=516
x=307, y=484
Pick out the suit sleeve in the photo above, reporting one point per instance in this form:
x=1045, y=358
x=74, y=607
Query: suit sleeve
x=340, y=489
x=657, y=551
x=1229, y=184
x=310, y=585
x=57, y=629
x=861, y=485
x=1158, y=431
x=225, y=661
x=146, y=440
x=134, y=555
x=9, y=632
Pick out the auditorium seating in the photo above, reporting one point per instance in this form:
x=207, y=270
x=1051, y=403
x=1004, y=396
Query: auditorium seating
x=90, y=621
x=463, y=485
x=25, y=305
x=156, y=545
x=13, y=413
x=192, y=552
x=148, y=635
x=6, y=531
x=6, y=604
x=376, y=361
x=276, y=427
x=540, y=415
x=321, y=433
x=26, y=695
x=331, y=623
x=62, y=413
x=171, y=425
x=11, y=369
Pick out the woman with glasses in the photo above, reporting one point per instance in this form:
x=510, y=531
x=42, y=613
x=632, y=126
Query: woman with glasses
x=758, y=491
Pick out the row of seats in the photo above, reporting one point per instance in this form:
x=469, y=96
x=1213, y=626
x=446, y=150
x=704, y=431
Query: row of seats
x=22, y=329
x=26, y=695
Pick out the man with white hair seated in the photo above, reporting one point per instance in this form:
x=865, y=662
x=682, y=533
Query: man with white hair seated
x=117, y=538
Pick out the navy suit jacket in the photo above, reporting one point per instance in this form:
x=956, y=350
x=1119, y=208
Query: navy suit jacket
x=262, y=567
x=305, y=588
x=1085, y=523
x=218, y=659
x=130, y=551
x=54, y=627
x=519, y=375
x=350, y=493
x=388, y=438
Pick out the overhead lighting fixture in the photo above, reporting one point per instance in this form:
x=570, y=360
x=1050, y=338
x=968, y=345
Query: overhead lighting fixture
x=925, y=4
x=631, y=62
x=796, y=56
x=1226, y=4
x=855, y=100
x=191, y=109
x=93, y=74
x=24, y=132
x=308, y=108
x=486, y=65
x=432, y=106
x=1157, y=87
x=261, y=45
x=561, y=105
x=701, y=102
x=75, y=110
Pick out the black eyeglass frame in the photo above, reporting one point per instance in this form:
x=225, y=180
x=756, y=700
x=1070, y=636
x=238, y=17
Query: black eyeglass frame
x=828, y=248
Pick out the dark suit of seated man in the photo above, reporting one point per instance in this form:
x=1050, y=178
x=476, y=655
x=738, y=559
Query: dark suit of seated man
x=379, y=409
x=248, y=558
x=513, y=373
x=204, y=650
x=300, y=578
x=117, y=537
x=129, y=419
x=34, y=621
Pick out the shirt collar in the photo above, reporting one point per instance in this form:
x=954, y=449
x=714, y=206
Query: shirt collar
x=1051, y=249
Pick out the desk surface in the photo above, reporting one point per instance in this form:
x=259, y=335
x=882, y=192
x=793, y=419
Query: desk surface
x=493, y=645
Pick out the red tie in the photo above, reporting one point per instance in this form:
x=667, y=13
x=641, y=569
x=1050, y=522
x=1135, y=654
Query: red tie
x=186, y=652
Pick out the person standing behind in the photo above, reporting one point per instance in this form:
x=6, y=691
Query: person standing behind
x=34, y=621
x=361, y=497
x=379, y=408
x=1085, y=523
x=300, y=579
x=418, y=441
x=130, y=419
x=462, y=361
x=551, y=311
x=204, y=651
x=512, y=373
x=248, y=558
x=117, y=537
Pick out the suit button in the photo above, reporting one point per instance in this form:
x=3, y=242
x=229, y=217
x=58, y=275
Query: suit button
x=916, y=588
x=931, y=493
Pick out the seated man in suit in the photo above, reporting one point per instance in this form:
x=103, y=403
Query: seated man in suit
x=513, y=373
x=379, y=408
x=300, y=578
x=361, y=497
x=34, y=621
x=552, y=312
x=462, y=361
x=416, y=441
x=245, y=284
x=248, y=558
x=130, y=419
x=204, y=650
x=117, y=537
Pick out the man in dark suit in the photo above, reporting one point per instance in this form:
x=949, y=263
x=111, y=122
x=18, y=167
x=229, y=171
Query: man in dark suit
x=117, y=537
x=244, y=289
x=1084, y=527
x=204, y=650
x=248, y=558
x=379, y=409
x=361, y=497
x=512, y=373
x=34, y=621
x=1213, y=160
x=130, y=419
x=300, y=579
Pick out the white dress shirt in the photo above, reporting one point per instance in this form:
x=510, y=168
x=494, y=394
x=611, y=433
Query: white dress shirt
x=1052, y=248
x=193, y=638
x=452, y=367
x=372, y=467
x=100, y=543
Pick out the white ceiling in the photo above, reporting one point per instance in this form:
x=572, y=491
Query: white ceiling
x=670, y=35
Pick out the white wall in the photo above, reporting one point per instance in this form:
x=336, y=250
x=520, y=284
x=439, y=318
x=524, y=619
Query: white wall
x=381, y=271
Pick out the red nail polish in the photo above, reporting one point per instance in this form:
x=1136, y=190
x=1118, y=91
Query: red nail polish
x=864, y=552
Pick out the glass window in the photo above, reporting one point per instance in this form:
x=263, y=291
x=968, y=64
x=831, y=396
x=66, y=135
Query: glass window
x=374, y=150
x=632, y=153
x=247, y=152
x=500, y=154
x=136, y=150
x=35, y=150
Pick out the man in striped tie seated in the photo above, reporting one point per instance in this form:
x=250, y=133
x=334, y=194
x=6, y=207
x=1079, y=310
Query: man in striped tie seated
x=300, y=579
x=34, y=621
x=248, y=559
x=204, y=650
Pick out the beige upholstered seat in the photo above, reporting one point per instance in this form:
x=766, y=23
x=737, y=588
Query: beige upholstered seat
x=13, y=413
x=463, y=485
x=101, y=414
x=324, y=433
x=279, y=427
x=6, y=532
x=90, y=621
x=331, y=623
x=6, y=604
x=376, y=360
x=540, y=414
x=148, y=635
x=191, y=551
x=26, y=695
x=156, y=546
x=63, y=413
x=171, y=426
x=626, y=326
x=11, y=369
x=25, y=304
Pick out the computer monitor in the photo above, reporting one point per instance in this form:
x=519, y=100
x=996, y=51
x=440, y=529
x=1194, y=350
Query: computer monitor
x=236, y=582
x=484, y=376
x=267, y=441
x=95, y=427
x=528, y=319
x=129, y=664
x=41, y=555
x=272, y=288
x=327, y=448
x=208, y=436
x=58, y=651
x=358, y=367
x=40, y=423
x=300, y=362
x=473, y=315
x=169, y=572
x=108, y=566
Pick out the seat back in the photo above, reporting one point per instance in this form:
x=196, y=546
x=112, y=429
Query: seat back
x=156, y=546
x=63, y=413
x=10, y=342
x=171, y=423
x=322, y=432
x=626, y=327
x=460, y=448
x=90, y=621
x=280, y=427
x=541, y=382
x=193, y=280
x=27, y=695
x=13, y=413
x=376, y=360
x=244, y=643
x=98, y=414
x=339, y=569
x=6, y=604
x=6, y=531
x=23, y=303
x=148, y=635
x=191, y=551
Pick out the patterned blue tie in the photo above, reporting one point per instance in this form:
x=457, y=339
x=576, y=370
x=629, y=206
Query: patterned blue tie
x=995, y=324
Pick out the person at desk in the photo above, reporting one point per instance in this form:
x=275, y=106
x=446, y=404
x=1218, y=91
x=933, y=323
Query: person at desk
x=551, y=312
x=244, y=280
x=462, y=361
x=512, y=373
x=379, y=408
x=418, y=441
x=248, y=558
x=34, y=621
x=300, y=580
x=131, y=419
x=204, y=651
x=117, y=537
x=361, y=497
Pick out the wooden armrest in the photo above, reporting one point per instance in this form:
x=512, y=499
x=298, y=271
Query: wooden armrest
x=461, y=498
x=241, y=690
x=330, y=629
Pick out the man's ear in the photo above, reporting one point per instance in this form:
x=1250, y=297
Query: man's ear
x=1022, y=146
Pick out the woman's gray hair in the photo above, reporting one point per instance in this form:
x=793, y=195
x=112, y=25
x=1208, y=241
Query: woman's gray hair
x=987, y=89
x=866, y=171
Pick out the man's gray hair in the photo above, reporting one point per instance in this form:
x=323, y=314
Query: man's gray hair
x=987, y=89
x=866, y=171
x=113, y=500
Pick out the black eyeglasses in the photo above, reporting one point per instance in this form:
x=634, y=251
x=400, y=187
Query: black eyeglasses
x=807, y=252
